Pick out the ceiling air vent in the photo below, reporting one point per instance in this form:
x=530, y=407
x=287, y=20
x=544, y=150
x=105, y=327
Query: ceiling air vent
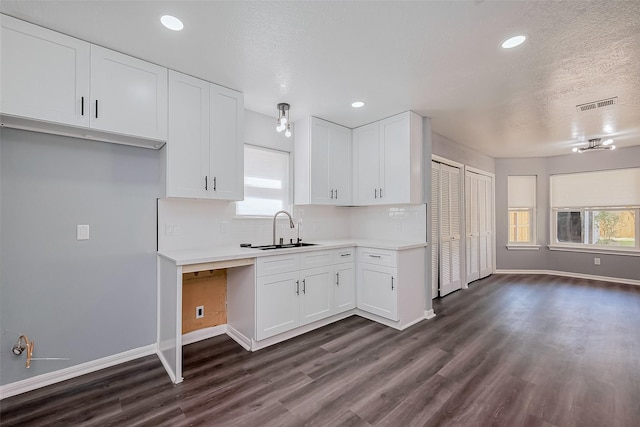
x=597, y=104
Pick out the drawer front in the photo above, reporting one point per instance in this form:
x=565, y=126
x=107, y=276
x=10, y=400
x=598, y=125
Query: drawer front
x=316, y=259
x=344, y=255
x=277, y=264
x=383, y=257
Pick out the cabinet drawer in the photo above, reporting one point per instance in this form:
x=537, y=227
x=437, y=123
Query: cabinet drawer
x=277, y=264
x=316, y=259
x=344, y=255
x=377, y=256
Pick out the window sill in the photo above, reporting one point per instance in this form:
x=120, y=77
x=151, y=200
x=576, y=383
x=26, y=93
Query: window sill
x=605, y=251
x=514, y=247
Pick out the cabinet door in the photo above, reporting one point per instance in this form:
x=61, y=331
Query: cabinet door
x=128, y=95
x=321, y=190
x=344, y=296
x=316, y=294
x=377, y=290
x=188, y=143
x=45, y=75
x=277, y=304
x=227, y=142
x=396, y=154
x=367, y=155
x=340, y=164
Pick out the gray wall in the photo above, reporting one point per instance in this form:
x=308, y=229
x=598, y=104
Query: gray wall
x=619, y=266
x=79, y=299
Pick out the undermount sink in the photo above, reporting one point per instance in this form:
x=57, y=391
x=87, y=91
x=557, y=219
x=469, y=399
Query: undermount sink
x=283, y=246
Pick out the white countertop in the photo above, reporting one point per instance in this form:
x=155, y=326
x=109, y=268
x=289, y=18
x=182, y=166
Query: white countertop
x=226, y=253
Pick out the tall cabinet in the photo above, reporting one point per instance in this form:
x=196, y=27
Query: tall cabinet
x=387, y=161
x=322, y=163
x=204, y=152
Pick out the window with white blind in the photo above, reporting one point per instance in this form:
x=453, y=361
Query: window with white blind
x=596, y=210
x=522, y=210
x=266, y=182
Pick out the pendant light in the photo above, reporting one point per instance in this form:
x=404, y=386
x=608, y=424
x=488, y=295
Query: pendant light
x=283, y=123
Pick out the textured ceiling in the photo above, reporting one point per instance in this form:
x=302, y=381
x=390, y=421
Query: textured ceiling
x=439, y=59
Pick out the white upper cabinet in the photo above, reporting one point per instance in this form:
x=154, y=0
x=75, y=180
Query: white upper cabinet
x=388, y=161
x=187, y=151
x=322, y=163
x=367, y=164
x=128, y=95
x=45, y=75
x=204, y=153
x=57, y=84
x=226, y=154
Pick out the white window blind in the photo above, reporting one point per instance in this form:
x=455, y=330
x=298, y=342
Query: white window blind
x=266, y=182
x=522, y=191
x=610, y=188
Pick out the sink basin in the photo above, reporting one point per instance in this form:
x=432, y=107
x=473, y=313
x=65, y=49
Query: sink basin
x=284, y=246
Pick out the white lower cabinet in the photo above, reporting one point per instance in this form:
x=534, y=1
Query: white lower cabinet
x=378, y=282
x=288, y=295
x=344, y=295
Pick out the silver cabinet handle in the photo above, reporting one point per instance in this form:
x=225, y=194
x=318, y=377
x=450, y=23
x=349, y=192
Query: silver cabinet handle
x=96, y=108
x=338, y=279
x=332, y=193
x=214, y=183
x=375, y=192
x=336, y=193
x=391, y=282
x=206, y=183
x=297, y=287
x=381, y=193
x=375, y=256
x=82, y=106
x=304, y=287
x=345, y=255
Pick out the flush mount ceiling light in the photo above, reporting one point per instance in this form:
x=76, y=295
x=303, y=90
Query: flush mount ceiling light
x=283, y=119
x=357, y=104
x=513, y=41
x=171, y=22
x=594, y=144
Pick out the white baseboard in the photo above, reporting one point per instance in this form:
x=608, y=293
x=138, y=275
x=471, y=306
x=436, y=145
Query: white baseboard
x=239, y=338
x=429, y=314
x=39, y=381
x=570, y=274
x=168, y=368
x=203, y=334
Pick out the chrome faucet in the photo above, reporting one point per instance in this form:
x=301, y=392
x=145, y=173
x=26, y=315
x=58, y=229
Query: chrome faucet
x=291, y=224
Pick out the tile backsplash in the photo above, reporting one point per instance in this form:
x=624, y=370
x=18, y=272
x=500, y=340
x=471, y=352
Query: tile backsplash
x=185, y=224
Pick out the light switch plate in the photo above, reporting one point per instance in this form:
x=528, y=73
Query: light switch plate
x=82, y=232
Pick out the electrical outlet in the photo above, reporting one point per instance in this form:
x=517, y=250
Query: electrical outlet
x=596, y=261
x=200, y=312
x=82, y=232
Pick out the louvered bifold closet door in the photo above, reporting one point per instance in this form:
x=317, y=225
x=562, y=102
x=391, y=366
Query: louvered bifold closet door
x=450, y=226
x=435, y=227
x=485, y=223
x=472, y=246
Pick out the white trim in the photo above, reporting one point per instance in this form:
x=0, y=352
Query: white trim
x=594, y=250
x=515, y=247
x=43, y=380
x=168, y=368
x=429, y=314
x=570, y=274
x=479, y=171
x=239, y=338
x=203, y=334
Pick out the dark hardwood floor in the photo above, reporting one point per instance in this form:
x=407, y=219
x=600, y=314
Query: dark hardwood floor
x=512, y=350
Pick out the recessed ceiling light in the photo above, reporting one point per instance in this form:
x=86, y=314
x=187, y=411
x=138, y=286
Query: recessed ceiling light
x=171, y=22
x=357, y=104
x=513, y=42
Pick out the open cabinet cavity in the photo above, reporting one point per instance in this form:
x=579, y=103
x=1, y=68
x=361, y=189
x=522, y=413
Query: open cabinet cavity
x=225, y=292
